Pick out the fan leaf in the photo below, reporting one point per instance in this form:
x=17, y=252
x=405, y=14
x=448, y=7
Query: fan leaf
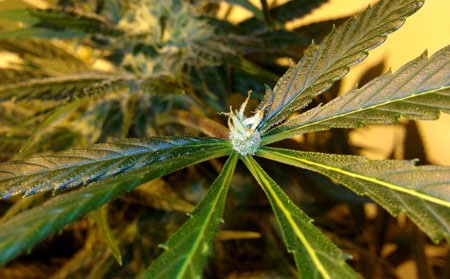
x=418, y=90
x=60, y=87
x=26, y=229
x=77, y=167
x=315, y=255
x=323, y=64
x=422, y=192
x=187, y=251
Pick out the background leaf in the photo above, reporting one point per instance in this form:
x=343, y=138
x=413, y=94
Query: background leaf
x=323, y=64
x=60, y=87
x=187, y=251
x=315, y=255
x=418, y=90
x=422, y=192
x=26, y=229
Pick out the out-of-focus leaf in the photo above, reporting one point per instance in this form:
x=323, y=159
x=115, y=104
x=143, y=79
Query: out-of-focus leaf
x=328, y=62
x=187, y=251
x=315, y=255
x=26, y=229
x=283, y=13
x=249, y=6
x=68, y=86
x=422, y=192
x=101, y=219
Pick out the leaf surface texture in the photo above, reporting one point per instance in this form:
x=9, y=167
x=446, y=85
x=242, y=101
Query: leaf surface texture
x=418, y=90
x=77, y=167
x=187, y=251
x=26, y=229
x=315, y=255
x=422, y=192
x=329, y=61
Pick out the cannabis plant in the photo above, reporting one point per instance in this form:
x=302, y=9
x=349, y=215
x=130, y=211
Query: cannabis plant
x=155, y=52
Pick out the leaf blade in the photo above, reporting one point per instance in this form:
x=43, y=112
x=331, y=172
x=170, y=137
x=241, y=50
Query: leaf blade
x=60, y=87
x=418, y=90
x=398, y=186
x=323, y=64
x=77, y=167
x=26, y=229
x=188, y=249
x=315, y=255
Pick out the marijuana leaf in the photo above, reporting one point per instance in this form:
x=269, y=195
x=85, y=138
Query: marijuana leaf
x=418, y=90
x=315, y=255
x=187, y=251
x=423, y=193
x=323, y=64
x=72, y=168
x=25, y=229
x=60, y=87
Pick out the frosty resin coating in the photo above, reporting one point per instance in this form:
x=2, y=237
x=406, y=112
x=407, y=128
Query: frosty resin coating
x=244, y=135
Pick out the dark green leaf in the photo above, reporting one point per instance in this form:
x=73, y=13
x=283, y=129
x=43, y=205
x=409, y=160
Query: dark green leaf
x=26, y=229
x=187, y=251
x=315, y=255
x=423, y=192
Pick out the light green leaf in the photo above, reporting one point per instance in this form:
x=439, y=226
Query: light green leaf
x=187, y=251
x=422, y=192
x=26, y=229
x=418, y=90
x=76, y=167
x=315, y=255
x=323, y=64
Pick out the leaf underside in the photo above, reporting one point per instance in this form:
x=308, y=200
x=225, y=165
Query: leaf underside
x=187, y=251
x=422, y=192
x=26, y=229
x=419, y=90
x=77, y=167
x=328, y=62
x=315, y=255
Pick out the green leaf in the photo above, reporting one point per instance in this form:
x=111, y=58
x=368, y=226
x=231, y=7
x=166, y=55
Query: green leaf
x=19, y=15
x=418, y=90
x=101, y=219
x=60, y=87
x=24, y=230
x=187, y=251
x=282, y=13
x=315, y=255
x=86, y=22
x=45, y=54
x=422, y=192
x=323, y=64
x=72, y=168
x=249, y=6
x=56, y=116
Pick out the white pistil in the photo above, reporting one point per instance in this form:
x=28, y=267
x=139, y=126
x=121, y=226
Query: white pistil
x=244, y=135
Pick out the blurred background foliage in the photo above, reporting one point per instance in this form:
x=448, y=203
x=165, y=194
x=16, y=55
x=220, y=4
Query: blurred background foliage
x=79, y=72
